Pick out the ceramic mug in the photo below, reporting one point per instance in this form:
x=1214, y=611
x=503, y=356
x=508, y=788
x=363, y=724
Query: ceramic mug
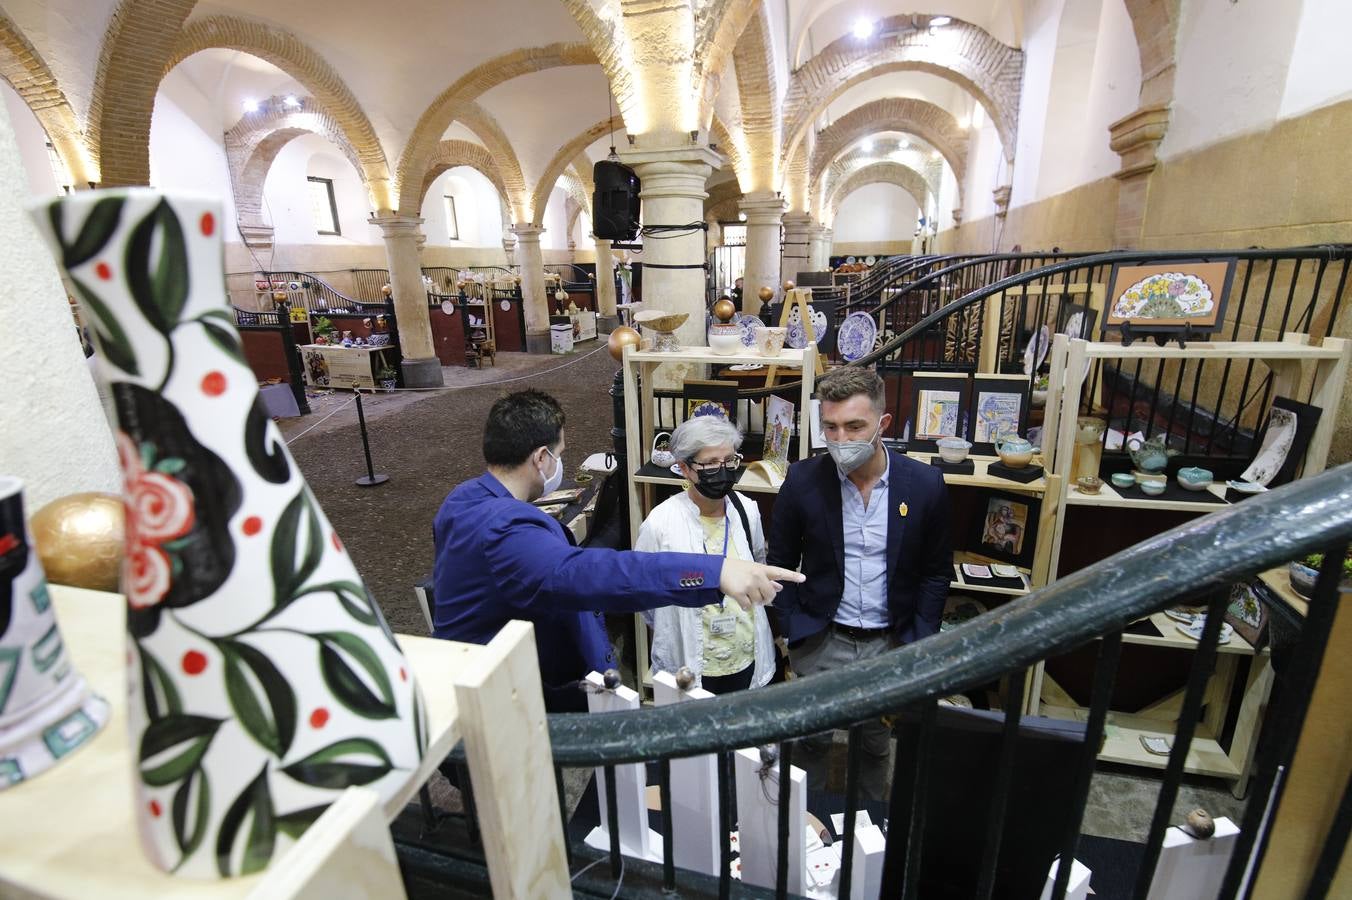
x=953, y=449
x=770, y=340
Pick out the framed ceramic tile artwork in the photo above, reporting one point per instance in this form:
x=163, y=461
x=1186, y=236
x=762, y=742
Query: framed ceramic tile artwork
x=938, y=409
x=999, y=409
x=1247, y=612
x=708, y=398
x=1076, y=320
x=1170, y=298
x=1285, y=438
x=1005, y=527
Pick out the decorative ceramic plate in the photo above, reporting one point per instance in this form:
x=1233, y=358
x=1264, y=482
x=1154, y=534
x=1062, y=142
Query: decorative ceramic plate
x=797, y=336
x=1168, y=295
x=1246, y=487
x=819, y=323
x=294, y=285
x=749, y=324
x=855, y=336
x=851, y=260
x=1194, y=628
x=975, y=571
x=745, y=367
x=1005, y=571
x=870, y=260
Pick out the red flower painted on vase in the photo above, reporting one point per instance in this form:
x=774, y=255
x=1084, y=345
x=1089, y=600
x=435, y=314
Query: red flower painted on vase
x=159, y=509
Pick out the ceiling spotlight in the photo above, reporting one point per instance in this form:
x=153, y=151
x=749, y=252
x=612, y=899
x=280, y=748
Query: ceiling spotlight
x=291, y=101
x=867, y=145
x=250, y=105
x=940, y=21
x=964, y=123
x=863, y=29
x=741, y=217
x=934, y=155
x=905, y=143
x=898, y=156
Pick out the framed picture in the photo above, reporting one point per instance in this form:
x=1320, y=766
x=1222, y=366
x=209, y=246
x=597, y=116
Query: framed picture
x=1286, y=436
x=1075, y=320
x=999, y=409
x=1170, y=297
x=1006, y=527
x=938, y=409
x=709, y=398
x=1247, y=613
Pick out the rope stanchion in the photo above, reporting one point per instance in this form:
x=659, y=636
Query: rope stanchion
x=370, y=479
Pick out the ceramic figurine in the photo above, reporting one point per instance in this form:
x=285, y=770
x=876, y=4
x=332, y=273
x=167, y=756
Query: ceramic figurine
x=1152, y=455
x=953, y=449
x=1014, y=451
x=262, y=679
x=1194, y=479
x=46, y=709
x=1088, y=484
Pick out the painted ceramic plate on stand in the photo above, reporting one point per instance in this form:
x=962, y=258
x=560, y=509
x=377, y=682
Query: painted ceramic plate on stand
x=851, y=260
x=819, y=324
x=745, y=367
x=855, y=336
x=1194, y=628
x=870, y=260
x=749, y=324
x=797, y=336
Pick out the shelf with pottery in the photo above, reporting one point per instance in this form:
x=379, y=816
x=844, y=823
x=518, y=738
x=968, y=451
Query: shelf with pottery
x=1279, y=581
x=748, y=480
x=963, y=582
x=980, y=477
x=1133, y=498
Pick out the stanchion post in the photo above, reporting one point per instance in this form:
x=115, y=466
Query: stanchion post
x=370, y=479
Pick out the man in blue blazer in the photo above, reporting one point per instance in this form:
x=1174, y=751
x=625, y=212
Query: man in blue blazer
x=869, y=529
x=501, y=558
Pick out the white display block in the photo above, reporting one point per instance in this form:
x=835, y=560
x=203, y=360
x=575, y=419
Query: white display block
x=866, y=875
x=1191, y=868
x=1078, y=886
x=636, y=838
x=694, y=792
x=758, y=821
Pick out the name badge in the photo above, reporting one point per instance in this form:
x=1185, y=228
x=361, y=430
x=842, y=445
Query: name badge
x=723, y=626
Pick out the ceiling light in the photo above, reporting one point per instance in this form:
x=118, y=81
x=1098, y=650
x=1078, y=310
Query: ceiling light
x=741, y=217
x=964, y=123
x=905, y=143
x=250, y=105
x=291, y=100
x=863, y=29
x=940, y=21
x=867, y=145
x=898, y=155
x=934, y=154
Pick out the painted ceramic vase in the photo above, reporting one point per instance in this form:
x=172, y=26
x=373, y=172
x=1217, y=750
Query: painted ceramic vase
x=46, y=709
x=263, y=679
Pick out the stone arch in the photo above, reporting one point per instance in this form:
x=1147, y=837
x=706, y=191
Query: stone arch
x=904, y=177
x=33, y=81
x=720, y=25
x=486, y=128
x=454, y=153
x=728, y=192
x=1155, y=23
x=132, y=61
x=960, y=52
x=288, y=53
x=755, y=66
x=450, y=104
x=933, y=124
x=729, y=147
x=563, y=159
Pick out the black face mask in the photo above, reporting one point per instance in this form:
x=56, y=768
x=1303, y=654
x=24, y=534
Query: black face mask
x=715, y=484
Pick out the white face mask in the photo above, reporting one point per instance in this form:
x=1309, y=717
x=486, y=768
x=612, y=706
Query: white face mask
x=850, y=455
x=552, y=482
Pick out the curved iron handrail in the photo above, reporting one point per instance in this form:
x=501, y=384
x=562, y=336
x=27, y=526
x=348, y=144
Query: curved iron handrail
x=1308, y=515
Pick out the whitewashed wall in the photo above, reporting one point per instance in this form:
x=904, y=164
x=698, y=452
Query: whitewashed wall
x=477, y=210
x=876, y=213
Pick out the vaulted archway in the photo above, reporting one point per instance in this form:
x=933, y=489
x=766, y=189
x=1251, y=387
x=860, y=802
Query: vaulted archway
x=25, y=71
x=904, y=177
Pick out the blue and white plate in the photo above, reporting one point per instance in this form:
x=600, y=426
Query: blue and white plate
x=797, y=336
x=855, y=336
x=749, y=324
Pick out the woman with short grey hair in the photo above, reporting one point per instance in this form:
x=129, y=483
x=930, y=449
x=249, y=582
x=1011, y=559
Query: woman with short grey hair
x=726, y=648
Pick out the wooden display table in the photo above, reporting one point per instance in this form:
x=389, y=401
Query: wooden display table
x=78, y=837
x=336, y=366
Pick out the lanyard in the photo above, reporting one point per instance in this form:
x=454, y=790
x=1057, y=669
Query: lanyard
x=727, y=527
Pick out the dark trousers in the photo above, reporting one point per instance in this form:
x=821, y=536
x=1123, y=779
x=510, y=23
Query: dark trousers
x=726, y=684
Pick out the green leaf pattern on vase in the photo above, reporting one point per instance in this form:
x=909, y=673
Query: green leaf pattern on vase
x=262, y=678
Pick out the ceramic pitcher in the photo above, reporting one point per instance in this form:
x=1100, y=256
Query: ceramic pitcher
x=262, y=679
x=46, y=709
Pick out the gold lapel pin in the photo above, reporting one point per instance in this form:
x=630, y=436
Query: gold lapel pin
x=901, y=510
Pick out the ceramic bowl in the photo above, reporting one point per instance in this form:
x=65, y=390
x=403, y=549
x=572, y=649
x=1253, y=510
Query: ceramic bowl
x=1088, y=484
x=1123, y=479
x=1193, y=478
x=725, y=340
x=953, y=449
x=770, y=341
x=1143, y=477
x=1153, y=488
x=1302, y=579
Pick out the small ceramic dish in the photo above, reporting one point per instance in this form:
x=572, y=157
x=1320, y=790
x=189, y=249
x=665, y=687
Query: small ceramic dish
x=1088, y=484
x=1153, y=488
x=1143, y=477
x=1194, y=629
x=1122, y=479
x=1246, y=487
x=1193, y=478
x=1005, y=571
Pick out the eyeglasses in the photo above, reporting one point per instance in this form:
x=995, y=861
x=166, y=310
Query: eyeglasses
x=732, y=464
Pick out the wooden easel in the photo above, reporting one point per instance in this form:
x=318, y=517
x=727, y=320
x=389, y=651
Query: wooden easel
x=798, y=297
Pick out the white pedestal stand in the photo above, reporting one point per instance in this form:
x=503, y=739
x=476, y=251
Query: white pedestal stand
x=758, y=821
x=1078, y=886
x=636, y=838
x=694, y=792
x=1191, y=868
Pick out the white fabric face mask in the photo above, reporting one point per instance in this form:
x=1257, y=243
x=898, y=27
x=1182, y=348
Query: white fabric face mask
x=553, y=481
x=850, y=455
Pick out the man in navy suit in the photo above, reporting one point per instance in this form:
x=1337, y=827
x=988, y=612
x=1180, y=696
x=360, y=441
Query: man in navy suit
x=869, y=528
x=501, y=558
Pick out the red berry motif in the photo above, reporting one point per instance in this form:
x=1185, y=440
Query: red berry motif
x=337, y=544
x=103, y=271
x=194, y=663
x=252, y=526
x=319, y=718
x=155, y=808
x=208, y=224
x=403, y=674
x=213, y=384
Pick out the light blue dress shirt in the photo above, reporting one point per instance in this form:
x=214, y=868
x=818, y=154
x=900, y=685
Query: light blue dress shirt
x=864, y=601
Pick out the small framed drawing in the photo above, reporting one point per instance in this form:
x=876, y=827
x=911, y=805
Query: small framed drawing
x=1286, y=437
x=1247, y=613
x=999, y=409
x=938, y=409
x=1075, y=320
x=1183, y=295
x=710, y=398
x=1006, y=527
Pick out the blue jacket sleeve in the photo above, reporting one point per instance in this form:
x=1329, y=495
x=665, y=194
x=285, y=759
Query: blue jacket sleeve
x=786, y=544
x=537, y=567
x=936, y=565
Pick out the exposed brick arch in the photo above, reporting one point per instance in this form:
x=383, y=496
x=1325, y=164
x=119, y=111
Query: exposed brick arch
x=933, y=124
x=904, y=177
x=720, y=26
x=454, y=153
x=731, y=147
x=288, y=53
x=450, y=104
x=960, y=52
x=132, y=62
x=721, y=195
x=563, y=159
x=605, y=35
x=754, y=61
x=1155, y=23
x=27, y=73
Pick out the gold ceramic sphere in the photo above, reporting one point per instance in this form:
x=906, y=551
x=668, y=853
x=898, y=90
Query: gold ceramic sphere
x=766, y=294
x=386, y=289
x=621, y=337
x=79, y=540
x=279, y=296
x=724, y=310
x=788, y=286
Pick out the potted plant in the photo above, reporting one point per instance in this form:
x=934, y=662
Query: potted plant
x=324, y=330
x=1040, y=390
x=1305, y=571
x=388, y=377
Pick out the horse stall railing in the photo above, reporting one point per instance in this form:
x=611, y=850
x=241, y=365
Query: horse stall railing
x=1030, y=806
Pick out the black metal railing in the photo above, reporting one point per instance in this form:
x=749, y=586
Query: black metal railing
x=1091, y=607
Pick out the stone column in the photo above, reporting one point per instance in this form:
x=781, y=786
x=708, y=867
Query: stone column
x=820, y=258
x=1001, y=195
x=533, y=297
x=421, y=368
x=764, y=212
x=673, y=194
x=1136, y=139
x=797, y=247
x=607, y=318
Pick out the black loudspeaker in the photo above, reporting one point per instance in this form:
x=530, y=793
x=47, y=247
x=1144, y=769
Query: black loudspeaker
x=615, y=202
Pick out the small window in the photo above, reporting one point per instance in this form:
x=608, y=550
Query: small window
x=324, y=205
x=452, y=226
